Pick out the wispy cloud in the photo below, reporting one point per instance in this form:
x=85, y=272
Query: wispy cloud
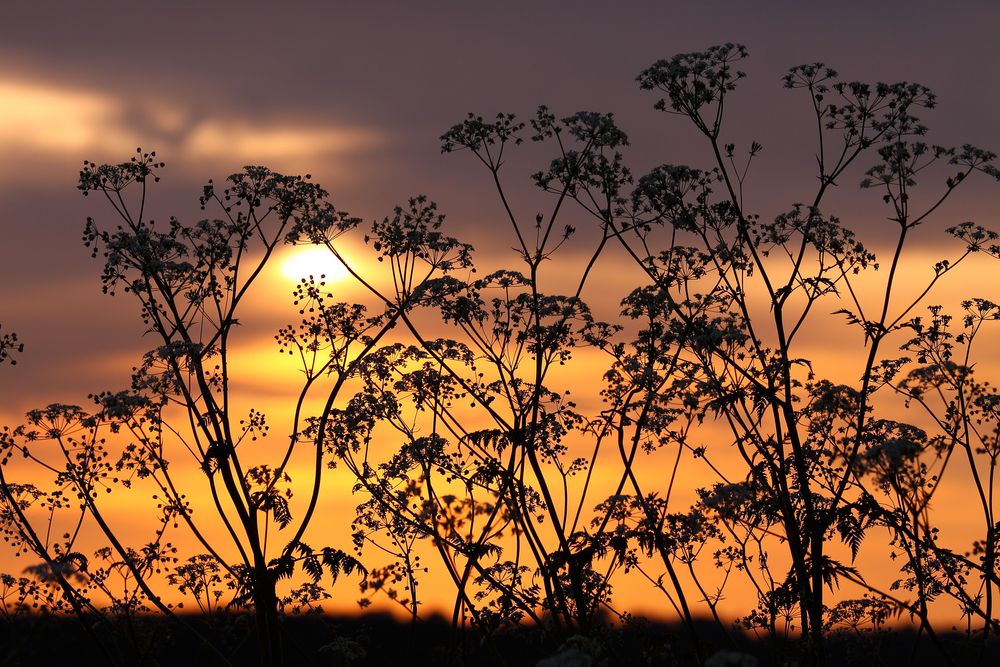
x=41, y=122
x=285, y=146
x=36, y=117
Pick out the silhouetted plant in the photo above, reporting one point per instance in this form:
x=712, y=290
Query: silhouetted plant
x=190, y=281
x=821, y=466
x=472, y=489
x=803, y=438
x=9, y=345
x=443, y=397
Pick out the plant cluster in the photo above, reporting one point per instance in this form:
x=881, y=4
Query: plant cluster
x=445, y=394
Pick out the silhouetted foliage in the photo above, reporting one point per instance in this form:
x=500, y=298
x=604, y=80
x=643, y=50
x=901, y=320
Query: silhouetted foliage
x=445, y=396
x=9, y=345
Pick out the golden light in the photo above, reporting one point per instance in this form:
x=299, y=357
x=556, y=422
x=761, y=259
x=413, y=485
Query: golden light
x=234, y=139
x=312, y=260
x=52, y=118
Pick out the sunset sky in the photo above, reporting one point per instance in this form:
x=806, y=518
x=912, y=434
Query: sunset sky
x=359, y=97
x=358, y=94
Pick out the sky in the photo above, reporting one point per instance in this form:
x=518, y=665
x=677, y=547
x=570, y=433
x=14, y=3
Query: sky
x=358, y=94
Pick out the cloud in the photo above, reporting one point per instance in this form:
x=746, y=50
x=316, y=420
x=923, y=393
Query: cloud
x=42, y=123
x=281, y=146
x=36, y=117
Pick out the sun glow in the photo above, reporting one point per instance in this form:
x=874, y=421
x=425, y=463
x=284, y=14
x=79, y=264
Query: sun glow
x=314, y=260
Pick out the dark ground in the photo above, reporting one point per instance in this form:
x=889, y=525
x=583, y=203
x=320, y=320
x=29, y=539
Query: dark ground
x=376, y=639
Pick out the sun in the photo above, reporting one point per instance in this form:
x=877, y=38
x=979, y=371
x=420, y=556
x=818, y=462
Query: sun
x=313, y=260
